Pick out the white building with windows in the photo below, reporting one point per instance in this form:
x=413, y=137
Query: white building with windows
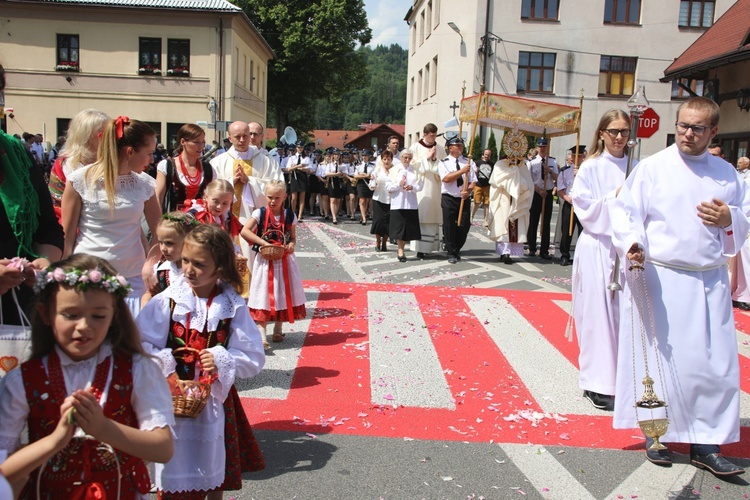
x=165, y=62
x=552, y=50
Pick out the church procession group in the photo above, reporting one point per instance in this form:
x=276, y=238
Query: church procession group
x=220, y=266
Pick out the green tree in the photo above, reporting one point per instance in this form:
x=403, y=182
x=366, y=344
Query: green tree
x=492, y=145
x=381, y=100
x=476, y=149
x=315, y=43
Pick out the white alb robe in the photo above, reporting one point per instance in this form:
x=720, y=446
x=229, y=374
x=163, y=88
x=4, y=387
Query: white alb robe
x=511, y=193
x=688, y=288
x=595, y=310
x=428, y=199
x=739, y=265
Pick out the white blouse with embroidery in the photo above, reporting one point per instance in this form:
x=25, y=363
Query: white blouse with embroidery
x=151, y=400
x=114, y=235
x=199, y=458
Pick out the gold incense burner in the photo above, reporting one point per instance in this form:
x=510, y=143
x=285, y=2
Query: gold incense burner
x=655, y=427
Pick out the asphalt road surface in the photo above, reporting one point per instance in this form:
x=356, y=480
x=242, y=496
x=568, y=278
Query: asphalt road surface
x=430, y=380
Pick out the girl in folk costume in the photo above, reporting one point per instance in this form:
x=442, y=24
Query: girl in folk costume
x=81, y=143
x=88, y=374
x=171, y=233
x=276, y=292
x=215, y=208
x=205, y=314
x=185, y=177
x=103, y=203
x=363, y=175
x=336, y=189
x=381, y=200
x=403, y=185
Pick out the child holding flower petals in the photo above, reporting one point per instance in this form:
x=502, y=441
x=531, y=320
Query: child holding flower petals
x=88, y=393
x=205, y=317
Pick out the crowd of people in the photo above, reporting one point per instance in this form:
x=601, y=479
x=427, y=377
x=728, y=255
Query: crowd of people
x=128, y=323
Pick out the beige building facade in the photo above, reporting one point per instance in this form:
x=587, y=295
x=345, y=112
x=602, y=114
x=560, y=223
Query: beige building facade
x=165, y=62
x=552, y=50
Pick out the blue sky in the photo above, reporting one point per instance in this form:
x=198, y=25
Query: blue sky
x=386, y=18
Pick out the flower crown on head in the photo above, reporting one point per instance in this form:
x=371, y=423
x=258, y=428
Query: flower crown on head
x=83, y=280
x=187, y=220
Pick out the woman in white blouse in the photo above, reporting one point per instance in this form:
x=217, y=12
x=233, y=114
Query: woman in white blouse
x=103, y=203
x=381, y=201
x=403, y=184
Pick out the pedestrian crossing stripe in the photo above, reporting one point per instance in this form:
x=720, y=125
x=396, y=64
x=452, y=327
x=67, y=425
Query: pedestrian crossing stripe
x=461, y=364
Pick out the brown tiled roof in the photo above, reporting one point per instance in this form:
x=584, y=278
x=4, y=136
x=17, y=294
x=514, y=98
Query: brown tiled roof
x=725, y=42
x=324, y=139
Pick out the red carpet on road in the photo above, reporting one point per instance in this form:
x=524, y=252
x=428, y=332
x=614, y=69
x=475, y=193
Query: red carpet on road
x=331, y=387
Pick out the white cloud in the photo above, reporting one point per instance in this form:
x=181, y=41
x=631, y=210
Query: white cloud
x=386, y=19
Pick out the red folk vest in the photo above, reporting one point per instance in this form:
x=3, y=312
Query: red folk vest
x=80, y=461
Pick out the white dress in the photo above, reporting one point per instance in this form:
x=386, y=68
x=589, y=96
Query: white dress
x=199, y=454
x=114, y=235
x=259, y=297
x=595, y=311
x=688, y=287
x=151, y=401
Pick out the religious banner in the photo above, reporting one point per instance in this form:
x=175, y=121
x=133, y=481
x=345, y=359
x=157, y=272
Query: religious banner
x=529, y=115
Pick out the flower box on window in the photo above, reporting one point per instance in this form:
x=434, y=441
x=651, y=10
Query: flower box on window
x=178, y=72
x=147, y=70
x=67, y=66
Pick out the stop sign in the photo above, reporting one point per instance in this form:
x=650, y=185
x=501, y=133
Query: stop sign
x=648, y=124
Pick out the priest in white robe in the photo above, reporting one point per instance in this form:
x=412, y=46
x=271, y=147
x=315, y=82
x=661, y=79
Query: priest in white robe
x=511, y=193
x=426, y=155
x=684, y=212
x=248, y=167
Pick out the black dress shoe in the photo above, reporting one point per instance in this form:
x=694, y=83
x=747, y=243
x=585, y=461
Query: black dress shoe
x=717, y=464
x=565, y=261
x=421, y=255
x=743, y=306
x=505, y=259
x=658, y=457
x=402, y=258
x=452, y=259
x=600, y=401
x=546, y=256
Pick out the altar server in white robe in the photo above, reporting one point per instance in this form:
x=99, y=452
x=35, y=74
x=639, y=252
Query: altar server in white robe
x=426, y=155
x=511, y=193
x=739, y=265
x=595, y=308
x=248, y=166
x=683, y=212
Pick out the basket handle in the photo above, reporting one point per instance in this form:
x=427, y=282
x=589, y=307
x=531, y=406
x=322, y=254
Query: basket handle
x=179, y=349
x=272, y=231
x=194, y=351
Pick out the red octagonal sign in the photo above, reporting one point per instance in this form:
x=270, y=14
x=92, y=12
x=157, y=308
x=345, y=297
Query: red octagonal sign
x=648, y=124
